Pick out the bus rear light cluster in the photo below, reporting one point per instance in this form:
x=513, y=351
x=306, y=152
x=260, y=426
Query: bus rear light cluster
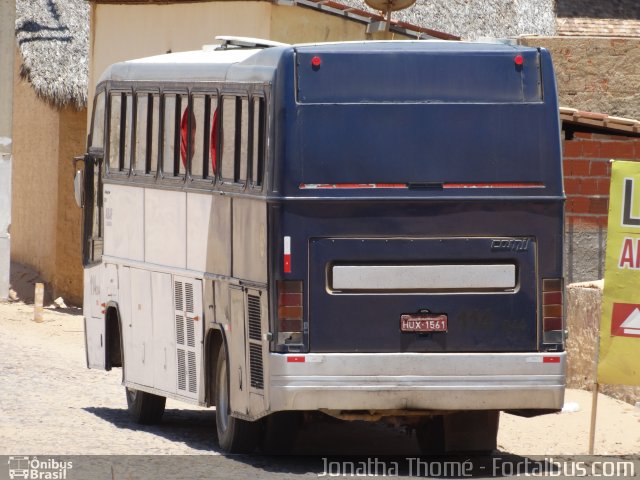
x=290, y=312
x=552, y=310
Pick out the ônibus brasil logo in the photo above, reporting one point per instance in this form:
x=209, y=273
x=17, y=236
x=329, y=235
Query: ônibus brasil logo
x=34, y=468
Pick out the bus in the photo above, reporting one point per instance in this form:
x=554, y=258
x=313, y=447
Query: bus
x=365, y=230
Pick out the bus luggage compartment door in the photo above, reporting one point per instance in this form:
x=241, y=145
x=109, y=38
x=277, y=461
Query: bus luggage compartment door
x=423, y=295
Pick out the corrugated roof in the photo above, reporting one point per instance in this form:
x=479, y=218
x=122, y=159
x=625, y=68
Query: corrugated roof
x=53, y=39
x=622, y=9
x=598, y=122
x=611, y=18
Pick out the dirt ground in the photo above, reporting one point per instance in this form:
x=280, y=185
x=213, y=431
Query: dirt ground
x=618, y=423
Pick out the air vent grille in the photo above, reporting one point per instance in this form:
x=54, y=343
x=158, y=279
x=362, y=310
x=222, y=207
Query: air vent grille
x=255, y=317
x=192, y=372
x=179, y=329
x=182, y=370
x=255, y=363
x=188, y=334
x=189, y=295
x=178, y=297
x=191, y=341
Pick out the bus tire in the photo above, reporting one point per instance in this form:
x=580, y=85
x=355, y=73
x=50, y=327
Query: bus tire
x=234, y=434
x=280, y=432
x=144, y=408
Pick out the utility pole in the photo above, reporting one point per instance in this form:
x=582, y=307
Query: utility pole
x=7, y=54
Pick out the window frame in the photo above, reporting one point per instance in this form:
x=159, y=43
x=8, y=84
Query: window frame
x=178, y=178
x=204, y=123
x=254, y=185
x=235, y=183
x=120, y=172
x=153, y=97
x=101, y=90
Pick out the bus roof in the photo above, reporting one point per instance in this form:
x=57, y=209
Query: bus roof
x=215, y=64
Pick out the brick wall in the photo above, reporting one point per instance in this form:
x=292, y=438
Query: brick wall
x=587, y=173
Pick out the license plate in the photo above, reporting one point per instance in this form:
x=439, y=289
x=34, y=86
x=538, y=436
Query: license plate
x=423, y=322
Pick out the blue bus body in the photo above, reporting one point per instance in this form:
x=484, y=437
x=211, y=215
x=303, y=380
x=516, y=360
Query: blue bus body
x=475, y=140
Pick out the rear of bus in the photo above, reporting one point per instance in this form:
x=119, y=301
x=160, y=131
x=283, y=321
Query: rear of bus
x=416, y=228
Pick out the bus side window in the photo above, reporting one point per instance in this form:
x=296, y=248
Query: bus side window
x=228, y=138
x=170, y=132
x=115, y=111
x=214, y=148
x=186, y=143
x=97, y=125
x=197, y=136
x=153, y=130
x=243, y=159
x=142, y=132
x=257, y=141
x=127, y=113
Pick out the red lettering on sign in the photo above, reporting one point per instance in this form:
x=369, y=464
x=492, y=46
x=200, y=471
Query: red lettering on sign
x=630, y=257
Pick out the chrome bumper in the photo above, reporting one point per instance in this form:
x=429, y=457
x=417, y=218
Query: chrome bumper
x=417, y=381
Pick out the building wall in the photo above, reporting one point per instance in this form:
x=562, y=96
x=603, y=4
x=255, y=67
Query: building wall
x=67, y=281
x=46, y=223
x=587, y=175
x=299, y=25
x=35, y=179
x=596, y=74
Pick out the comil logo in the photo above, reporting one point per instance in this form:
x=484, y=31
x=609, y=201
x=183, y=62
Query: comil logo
x=37, y=469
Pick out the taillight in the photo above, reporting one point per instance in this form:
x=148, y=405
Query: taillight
x=290, y=313
x=552, y=310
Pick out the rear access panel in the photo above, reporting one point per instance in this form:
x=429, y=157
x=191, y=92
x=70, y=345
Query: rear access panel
x=422, y=295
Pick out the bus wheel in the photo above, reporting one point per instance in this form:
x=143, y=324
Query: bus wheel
x=280, y=432
x=234, y=435
x=145, y=408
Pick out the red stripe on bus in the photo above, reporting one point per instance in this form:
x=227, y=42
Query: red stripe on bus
x=551, y=359
x=493, y=185
x=318, y=186
x=295, y=359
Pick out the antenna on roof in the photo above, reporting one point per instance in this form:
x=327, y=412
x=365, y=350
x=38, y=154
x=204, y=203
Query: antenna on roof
x=229, y=42
x=388, y=6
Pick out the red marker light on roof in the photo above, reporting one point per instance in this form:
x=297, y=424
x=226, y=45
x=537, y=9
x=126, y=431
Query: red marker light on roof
x=315, y=62
x=519, y=60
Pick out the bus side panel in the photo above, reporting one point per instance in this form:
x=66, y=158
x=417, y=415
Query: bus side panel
x=164, y=334
x=140, y=329
x=165, y=226
x=250, y=240
x=123, y=222
x=93, y=318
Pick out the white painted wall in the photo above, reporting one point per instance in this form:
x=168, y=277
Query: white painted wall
x=7, y=54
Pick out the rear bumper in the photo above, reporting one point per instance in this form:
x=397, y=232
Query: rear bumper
x=417, y=381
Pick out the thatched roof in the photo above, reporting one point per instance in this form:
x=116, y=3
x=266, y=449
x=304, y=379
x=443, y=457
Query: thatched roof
x=53, y=38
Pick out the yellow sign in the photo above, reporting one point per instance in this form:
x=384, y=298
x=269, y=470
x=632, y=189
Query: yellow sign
x=619, y=362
